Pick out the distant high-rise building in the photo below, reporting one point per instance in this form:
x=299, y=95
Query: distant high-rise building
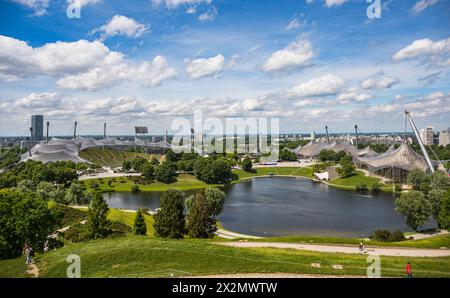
x=37, y=123
x=427, y=135
x=313, y=135
x=444, y=137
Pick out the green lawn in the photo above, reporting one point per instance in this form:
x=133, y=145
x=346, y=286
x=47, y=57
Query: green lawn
x=350, y=183
x=285, y=171
x=138, y=256
x=128, y=219
x=184, y=182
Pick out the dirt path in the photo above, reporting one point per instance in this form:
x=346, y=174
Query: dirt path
x=33, y=270
x=398, y=252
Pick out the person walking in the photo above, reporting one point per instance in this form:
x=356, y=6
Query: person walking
x=408, y=270
x=26, y=252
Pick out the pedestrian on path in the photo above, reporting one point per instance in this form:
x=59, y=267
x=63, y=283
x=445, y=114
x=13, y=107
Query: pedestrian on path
x=408, y=270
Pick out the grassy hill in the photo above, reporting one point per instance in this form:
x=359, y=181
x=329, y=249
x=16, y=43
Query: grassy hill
x=112, y=158
x=140, y=256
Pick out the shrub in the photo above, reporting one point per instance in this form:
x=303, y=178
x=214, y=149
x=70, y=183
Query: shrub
x=397, y=236
x=375, y=189
x=135, y=188
x=140, y=227
x=387, y=236
x=247, y=164
x=362, y=188
x=381, y=235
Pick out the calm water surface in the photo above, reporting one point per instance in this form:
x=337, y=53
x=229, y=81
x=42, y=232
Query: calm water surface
x=289, y=206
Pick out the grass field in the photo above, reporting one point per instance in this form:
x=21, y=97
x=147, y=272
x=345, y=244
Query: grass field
x=147, y=256
x=112, y=158
x=140, y=256
x=360, y=177
x=284, y=171
x=123, y=184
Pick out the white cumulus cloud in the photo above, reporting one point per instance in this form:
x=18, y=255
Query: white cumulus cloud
x=202, y=67
x=81, y=65
x=121, y=25
x=297, y=54
x=38, y=6
x=326, y=85
x=379, y=81
x=436, y=52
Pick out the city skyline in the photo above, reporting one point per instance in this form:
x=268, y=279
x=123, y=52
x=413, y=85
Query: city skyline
x=151, y=61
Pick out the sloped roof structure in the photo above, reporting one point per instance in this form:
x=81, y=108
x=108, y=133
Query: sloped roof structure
x=403, y=158
x=368, y=152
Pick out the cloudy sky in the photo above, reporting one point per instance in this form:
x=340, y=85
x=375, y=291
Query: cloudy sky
x=144, y=62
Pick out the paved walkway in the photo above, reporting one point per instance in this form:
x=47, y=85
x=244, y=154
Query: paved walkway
x=106, y=175
x=232, y=235
x=398, y=252
x=427, y=235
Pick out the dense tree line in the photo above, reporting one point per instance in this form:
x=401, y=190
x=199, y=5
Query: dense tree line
x=54, y=172
x=203, y=207
x=430, y=198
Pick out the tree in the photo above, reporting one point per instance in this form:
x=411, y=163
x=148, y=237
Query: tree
x=169, y=220
x=137, y=163
x=247, y=164
x=288, y=155
x=97, y=214
x=216, y=172
x=415, y=207
x=436, y=197
x=140, y=227
x=440, y=181
x=25, y=186
x=75, y=194
x=171, y=156
x=166, y=172
x=24, y=218
x=200, y=223
x=49, y=191
x=444, y=212
x=126, y=165
x=418, y=179
x=346, y=169
x=215, y=199
x=148, y=171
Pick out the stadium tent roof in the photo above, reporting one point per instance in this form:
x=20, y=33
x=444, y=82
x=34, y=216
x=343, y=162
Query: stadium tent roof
x=403, y=158
x=368, y=152
x=68, y=150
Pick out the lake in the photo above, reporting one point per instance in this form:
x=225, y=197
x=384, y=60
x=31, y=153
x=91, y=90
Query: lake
x=279, y=206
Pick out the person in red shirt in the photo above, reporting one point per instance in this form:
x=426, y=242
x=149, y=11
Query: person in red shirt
x=408, y=270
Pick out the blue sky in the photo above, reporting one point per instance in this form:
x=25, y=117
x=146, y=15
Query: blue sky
x=145, y=62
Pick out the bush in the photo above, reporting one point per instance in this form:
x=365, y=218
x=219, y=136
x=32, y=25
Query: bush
x=381, y=235
x=375, y=189
x=397, y=236
x=247, y=164
x=135, y=188
x=387, y=236
x=362, y=188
